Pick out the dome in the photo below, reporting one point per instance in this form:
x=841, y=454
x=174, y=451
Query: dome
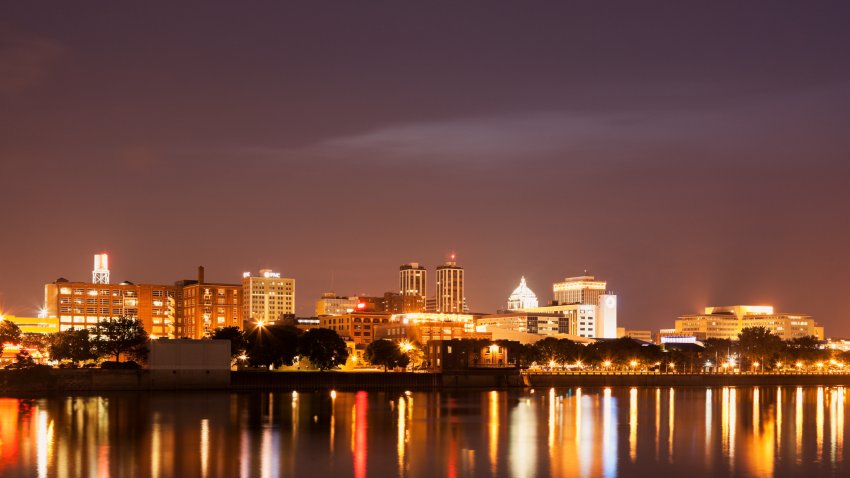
x=522, y=297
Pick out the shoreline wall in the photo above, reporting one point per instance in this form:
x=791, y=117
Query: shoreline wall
x=98, y=380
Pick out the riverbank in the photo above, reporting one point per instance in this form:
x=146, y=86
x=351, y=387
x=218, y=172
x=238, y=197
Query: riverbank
x=98, y=380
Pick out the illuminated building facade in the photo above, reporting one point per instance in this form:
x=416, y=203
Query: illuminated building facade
x=575, y=319
x=203, y=307
x=644, y=335
x=332, y=304
x=413, y=279
x=523, y=322
x=267, y=297
x=424, y=327
x=470, y=354
x=727, y=323
x=522, y=297
x=357, y=327
x=579, y=290
x=450, y=289
x=34, y=325
x=82, y=304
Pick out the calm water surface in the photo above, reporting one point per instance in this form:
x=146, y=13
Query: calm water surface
x=763, y=431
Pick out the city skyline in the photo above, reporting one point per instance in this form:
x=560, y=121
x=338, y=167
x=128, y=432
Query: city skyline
x=690, y=154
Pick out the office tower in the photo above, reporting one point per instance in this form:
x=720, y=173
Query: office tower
x=267, y=297
x=413, y=280
x=579, y=290
x=450, y=288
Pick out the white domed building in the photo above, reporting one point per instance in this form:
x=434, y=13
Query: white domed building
x=522, y=297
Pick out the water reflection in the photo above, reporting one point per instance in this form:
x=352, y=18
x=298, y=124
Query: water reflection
x=763, y=431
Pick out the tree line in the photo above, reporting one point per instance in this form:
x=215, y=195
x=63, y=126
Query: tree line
x=282, y=345
x=756, y=349
x=109, y=338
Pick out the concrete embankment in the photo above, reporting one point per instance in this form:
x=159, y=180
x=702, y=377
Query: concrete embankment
x=682, y=380
x=251, y=380
x=97, y=380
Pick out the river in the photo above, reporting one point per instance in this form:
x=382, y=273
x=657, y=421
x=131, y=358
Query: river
x=607, y=432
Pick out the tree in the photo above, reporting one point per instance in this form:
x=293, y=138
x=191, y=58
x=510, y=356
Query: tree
x=624, y=350
x=274, y=345
x=757, y=344
x=718, y=350
x=113, y=337
x=40, y=342
x=9, y=333
x=75, y=345
x=235, y=336
x=387, y=354
x=806, y=349
x=323, y=347
x=561, y=351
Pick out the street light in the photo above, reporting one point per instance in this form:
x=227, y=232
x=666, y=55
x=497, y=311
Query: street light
x=633, y=363
x=606, y=363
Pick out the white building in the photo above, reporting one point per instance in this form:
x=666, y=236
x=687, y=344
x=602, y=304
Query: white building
x=576, y=319
x=522, y=297
x=606, y=317
x=267, y=296
x=579, y=290
x=332, y=304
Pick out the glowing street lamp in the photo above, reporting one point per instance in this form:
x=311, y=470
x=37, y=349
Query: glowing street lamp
x=799, y=365
x=551, y=364
x=633, y=363
x=261, y=323
x=606, y=363
x=819, y=365
x=406, y=346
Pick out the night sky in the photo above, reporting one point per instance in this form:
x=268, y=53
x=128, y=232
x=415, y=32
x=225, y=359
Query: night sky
x=690, y=154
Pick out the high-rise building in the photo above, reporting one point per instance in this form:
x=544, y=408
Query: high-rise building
x=450, y=288
x=579, y=290
x=522, y=297
x=203, y=307
x=413, y=280
x=267, y=297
